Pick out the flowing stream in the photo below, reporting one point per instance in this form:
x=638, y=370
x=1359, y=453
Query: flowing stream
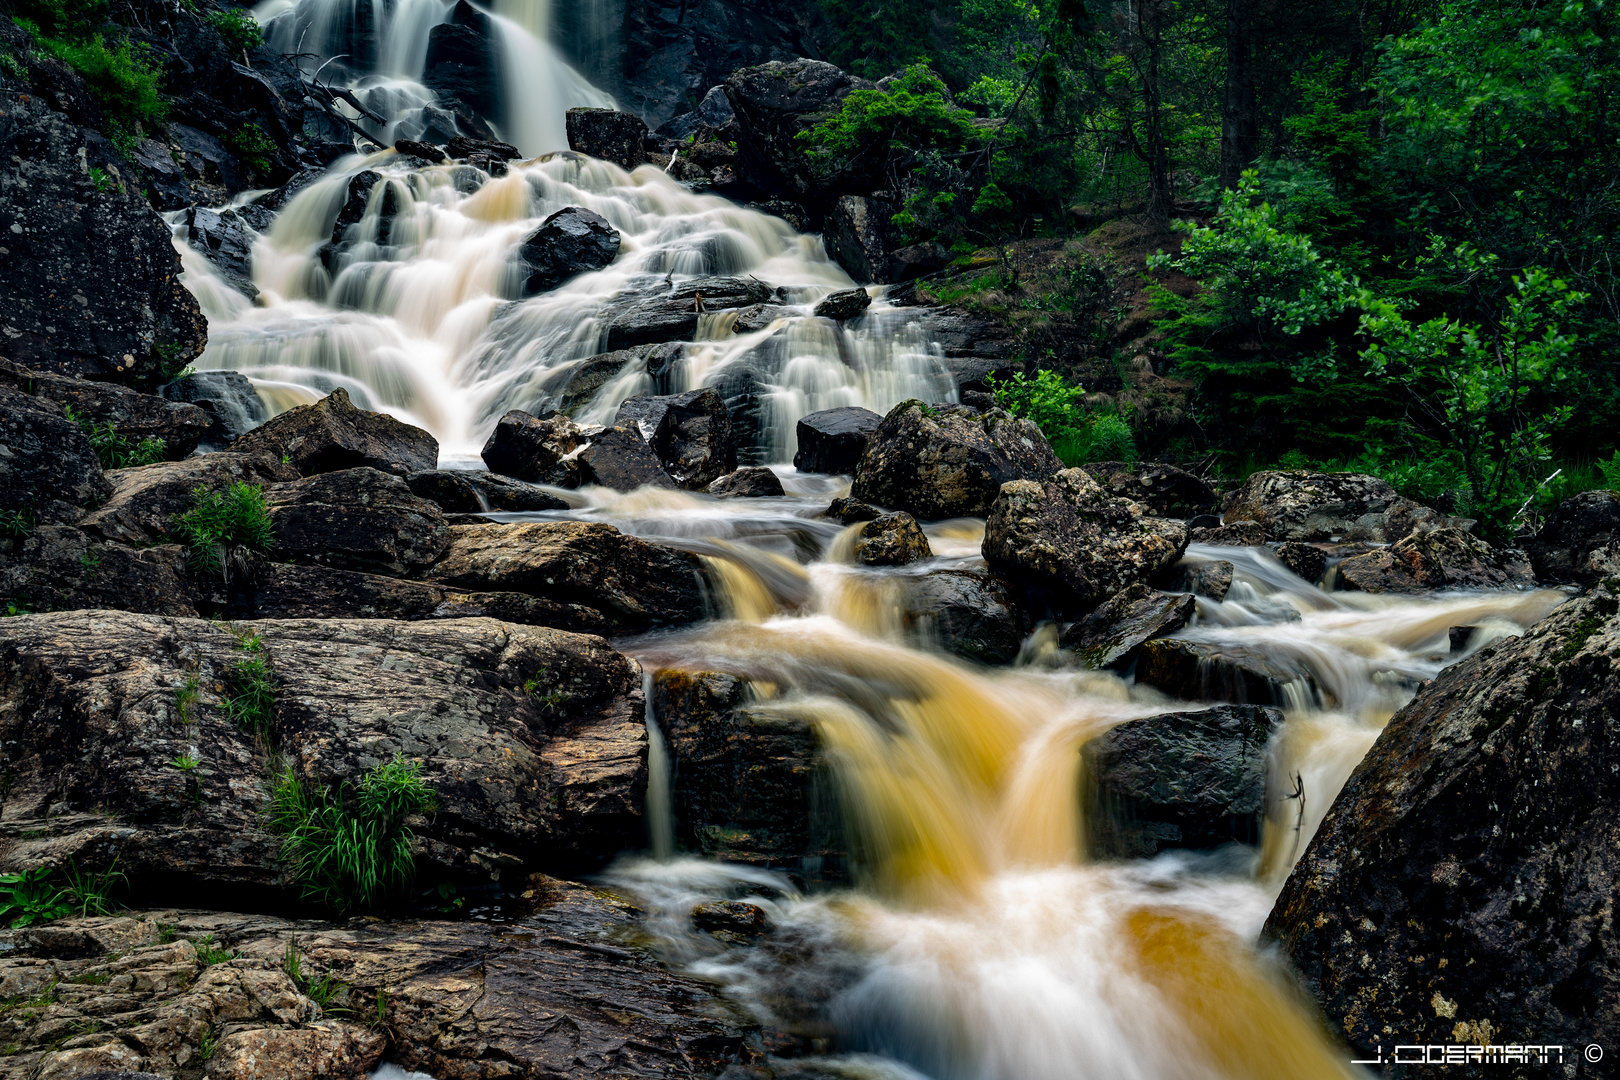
x=979, y=941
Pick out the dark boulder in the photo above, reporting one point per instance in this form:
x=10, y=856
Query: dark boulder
x=532, y=448
x=335, y=434
x=917, y=260
x=571, y=241
x=1303, y=560
x=632, y=582
x=1459, y=889
x=486, y=154
x=1204, y=577
x=1202, y=671
x=133, y=416
x=60, y=568
x=575, y=384
x=969, y=613
x=754, y=482
x=146, y=500
x=1178, y=780
x=849, y=511
x=463, y=64
x=48, y=469
x=891, y=540
x=660, y=314
x=619, y=458
x=843, y=305
x=225, y=239
x=614, y=136
x=355, y=207
x=690, y=433
x=232, y=405
x=1164, y=489
x=859, y=235
x=1579, y=543
x=943, y=461
x=1331, y=506
x=773, y=103
x=460, y=491
x=1109, y=636
x=833, y=441
x=1068, y=539
x=356, y=519
x=427, y=151
x=1442, y=559
x=758, y=317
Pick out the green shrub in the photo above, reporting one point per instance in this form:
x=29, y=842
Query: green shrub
x=114, y=450
x=29, y=897
x=124, y=77
x=1111, y=440
x=239, y=29
x=251, y=701
x=253, y=146
x=348, y=847
x=221, y=520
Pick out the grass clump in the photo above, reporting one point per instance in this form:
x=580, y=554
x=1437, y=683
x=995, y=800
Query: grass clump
x=113, y=449
x=348, y=846
x=221, y=520
x=323, y=991
x=16, y=523
x=251, y=702
x=253, y=146
x=90, y=892
x=209, y=952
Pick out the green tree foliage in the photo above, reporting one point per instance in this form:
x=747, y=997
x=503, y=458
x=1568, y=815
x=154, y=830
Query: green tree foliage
x=1055, y=406
x=239, y=29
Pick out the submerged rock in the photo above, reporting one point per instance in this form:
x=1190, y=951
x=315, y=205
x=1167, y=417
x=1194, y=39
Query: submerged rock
x=969, y=613
x=49, y=471
x=1109, y=636
x=891, y=540
x=1204, y=577
x=608, y=134
x=849, y=511
x=691, y=434
x=660, y=314
x=1331, y=506
x=1579, y=543
x=225, y=239
x=1303, y=560
x=461, y=491
x=754, y=482
x=1201, y=671
x=1442, y=559
x=1458, y=890
x=833, y=441
x=571, y=241
x=356, y=519
x=334, y=434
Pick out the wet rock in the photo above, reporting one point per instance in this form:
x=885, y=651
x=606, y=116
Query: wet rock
x=1303, y=560
x=360, y=194
x=462, y=66
x=572, y=241
x=1164, y=489
x=1456, y=890
x=833, y=441
x=843, y=305
x=754, y=482
x=48, y=469
x=1205, y=577
x=532, y=448
x=749, y=784
x=891, y=540
x=225, y=239
x=1331, y=506
x=334, y=434
x=758, y=317
x=1234, y=534
x=613, y=136
x=228, y=400
x=575, y=384
x=1442, y=559
x=1178, y=780
x=487, y=154
x=1579, y=543
x=660, y=314
x=618, y=458
x=859, y=235
x=59, y=568
x=1074, y=543
x=146, y=500
x=531, y=737
x=461, y=491
x=732, y=920
x=1109, y=636
x=356, y=519
x=849, y=511
x=60, y=309
x=1200, y=671
x=943, y=461
x=917, y=260
x=970, y=613
x=632, y=582
x=690, y=433
x=773, y=103
x=133, y=415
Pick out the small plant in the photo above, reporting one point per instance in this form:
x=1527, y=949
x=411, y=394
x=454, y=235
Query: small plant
x=379, y=1018
x=29, y=897
x=206, y=1044
x=221, y=520
x=186, y=697
x=239, y=29
x=90, y=563
x=172, y=366
x=114, y=450
x=16, y=523
x=92, y=978
x=124, y=76
x=1111, y=439
x=185, y=762
x=550, y=700
x=322, y=990
x=209, y=952
x=1610, y=471
x=91, y=892
x=167, y=932
x=251, y=703
x=253, y=146
x=102, y=182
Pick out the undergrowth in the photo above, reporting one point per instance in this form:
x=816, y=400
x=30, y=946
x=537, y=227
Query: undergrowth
x=221, y=520
x=113, y=449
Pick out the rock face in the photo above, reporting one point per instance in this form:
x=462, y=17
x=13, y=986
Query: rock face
x=461, y=491
x=754, y=482
x=949, y=461
x=969, y=613
x=691, y=434
x=613, y=136
x=632, y=582
x=1458, y=890
x=891, y=540
x=1164, y=489
x=225, y=238
x=67, y=207
x=462, y=64
x=357, y=519
x=56, y=568
x=1178, y=780
x=134, y=415
x=145, y=500
x=533, y=448
x=532, y=738
x=227, y=397
x=569, y=242
x=833, y=441
x=1442, y=559
x=619, y=458
x=1067, y=538
x=48, y=469
x=1580, y=541
x=656, y=315
x=1331, y=506
x=1109, y=636
x=843, y=305
x=859, y=235
x=773, y=103
x=334, y=434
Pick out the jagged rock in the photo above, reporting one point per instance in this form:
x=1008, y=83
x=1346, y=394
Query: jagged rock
x=970, y=613
x=571, y=241
x=849, y=511
x=613, y=136
x=356, y=519
x=833, y=441
x=48, y=469
x=754, y=482
x=1331, y=506
x=60, y=308
x=1458, y=889
x=891, y=540
x=632, y=582
x=843, y=305
x=1303, y=560
x=225, y=239
x=334, y=434
x=1066, y=537
x=1579, y=543
x=731, y=920
x=1109, y=636
x=713, y=112
x=533, y=448
x=463, y=67
x=1178, y=780
x=942, y=461
x=1200, y=671
x=425, y=150
x=461, y=491
x=486, y=154
x=1164, y=489
x=651, y=316
x=859, y=235
x=1205, y=577
x=773, y=103
x=532, y=739
x=573, y=384
x=750, y=784
x=360, y=195
x=58, y=568
x=134, y=415
x=1234, y=534
x=146, y=500
x=690, y=433
x=1442, y=559
x=618, y=458
x=228, y=400
x=758, y=317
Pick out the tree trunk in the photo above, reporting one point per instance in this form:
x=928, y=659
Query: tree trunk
x=1240, y=124
x=1156, y=152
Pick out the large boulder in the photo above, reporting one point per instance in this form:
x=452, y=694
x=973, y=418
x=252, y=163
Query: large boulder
x=619, y=458
x=1163, y=489
x=619, y=137
x=89, y=281
x=670, y=313
x=1178, y=780
x=1331, y=506
x=1305, y=561
x=356, y=519
x=773, y=103
x=48, y=469
x=690, y=433
x=462, y=491
x=943, y=461
x=1459, y=889
x=1442, y=559
x=463, y=66
x=533, y=448
x=334, y=434
x=634, y=583
x=146, y=500
x=131, y=415
x=531, y=738
x=60, y=568
x=969, y=613
x=754, y=482
x=226, y=397
x=858, y=234
x=891, y=540
x=571, y=241
x=833, y=441
x=1067, y=539
x=225, y=238
x=1109, y=636
x=1579, y=543
x=569, y=385
x=844, y=304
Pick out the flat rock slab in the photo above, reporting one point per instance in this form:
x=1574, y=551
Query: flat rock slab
x=1109, y=636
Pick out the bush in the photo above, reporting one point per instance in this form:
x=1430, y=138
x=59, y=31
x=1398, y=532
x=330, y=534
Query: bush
x=253, y=146
x=29, y=897
x=221, y=520
x=348, y=847
x=239, y=29
x=123, y=77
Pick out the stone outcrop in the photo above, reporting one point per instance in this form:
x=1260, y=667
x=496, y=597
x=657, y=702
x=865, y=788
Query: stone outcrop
x=619, y=458
x=356, y=519
x=833, y=441
x=533, y=448
x=1442, y=559
x=690, y=433
x=1164, y=489
x=334, y=434
x=891, y=540
x=670, y=313
x=842, y=305
x=858, y=235
x=1579, y=543
x=462, y=65
x=571, y=241
x=1204, y=577
x=48, y=470
x=773, y=103
x=57, y=568
x=619, y=137
x=133, y=416
x=1305, y=561
x=462, y=491
x=1459, y=889
x=227, y=398
x=145, y=500
x=943, y=461
x=1109, y=636
x=1201, y=671
x=1331, y=506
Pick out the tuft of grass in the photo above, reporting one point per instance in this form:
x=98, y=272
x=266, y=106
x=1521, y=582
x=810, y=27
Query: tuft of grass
x=322, y=991
x=167, y=932
x=114, y=450
x=16, y=523
x=549, y=699
x=92, y=978
x=221, y=520
x=185, y=697
x=209, y=952
x=91, y=891
x=207, y=1043
x=251, y=701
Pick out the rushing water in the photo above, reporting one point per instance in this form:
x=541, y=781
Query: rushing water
x=979, y=941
